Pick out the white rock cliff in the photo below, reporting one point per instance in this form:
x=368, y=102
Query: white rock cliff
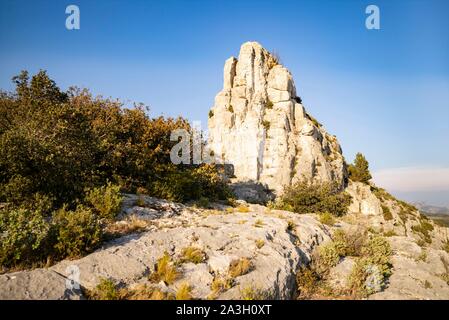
x=259, y=126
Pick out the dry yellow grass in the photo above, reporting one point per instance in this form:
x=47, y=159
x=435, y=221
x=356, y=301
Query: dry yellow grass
x=184, y=292
x=239, y=267
x=165, y=270
x=260, y=243
x=193, y=254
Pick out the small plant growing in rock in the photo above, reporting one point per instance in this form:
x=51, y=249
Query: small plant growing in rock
x=328, y=255
x=242, y=208
x=390, y=233
x=144, y=292
x=260, y=243
x=291, y=226
x=259, y=223
x=165, y=270
x=140, y=202
x=307, y=280
x=221, y=284
x=386, y=213
x=211, y=113
x=269, y=104
x=105, y=290
x=266, y=125
x=231, y=109
x=252, y=293
x=327, y=218
x=193, y=254
x=424, y=228
x=239, y=267
x=184, y=292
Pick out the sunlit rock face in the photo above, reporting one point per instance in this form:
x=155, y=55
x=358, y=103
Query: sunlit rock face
x=259, y=126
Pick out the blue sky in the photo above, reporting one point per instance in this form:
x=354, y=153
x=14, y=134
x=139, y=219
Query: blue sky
x=382, y=92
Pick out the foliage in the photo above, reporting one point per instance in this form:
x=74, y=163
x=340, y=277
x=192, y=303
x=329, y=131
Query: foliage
x=373, y=268
x=359, y=171
x=57, y=144
x=306, y=280
x=106, y=200
x=304, y=197
x=386, y=213
x=105, y=290
x=76, y=232
x=423, y=229
x=23, y=235
x=329, y=255
x=327, y=218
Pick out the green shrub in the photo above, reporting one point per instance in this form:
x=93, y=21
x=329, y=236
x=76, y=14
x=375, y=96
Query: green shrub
x=211, y=113
x=329, y=255
x=373, y=268
x=307, y=280
x=105, y=290
x=386, y=213
x=423, y=229
x=105, y=200
x=23, y=235
x=306, y=197
x=76, y=232
x=327, y=218
x=359, y=171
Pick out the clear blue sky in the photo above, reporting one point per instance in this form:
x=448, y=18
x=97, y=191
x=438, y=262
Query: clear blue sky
x=382, y=92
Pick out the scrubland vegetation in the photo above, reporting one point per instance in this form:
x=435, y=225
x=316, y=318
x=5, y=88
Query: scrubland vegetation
x=66, y=158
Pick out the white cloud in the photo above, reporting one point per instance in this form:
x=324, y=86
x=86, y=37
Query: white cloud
x=411, y=179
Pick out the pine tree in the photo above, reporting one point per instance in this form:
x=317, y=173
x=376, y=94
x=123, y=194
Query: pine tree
x=359, y=171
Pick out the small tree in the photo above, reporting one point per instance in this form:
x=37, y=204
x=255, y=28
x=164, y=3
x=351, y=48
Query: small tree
x=359, y=171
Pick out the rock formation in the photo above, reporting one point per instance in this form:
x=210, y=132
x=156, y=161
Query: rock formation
x=259, y=126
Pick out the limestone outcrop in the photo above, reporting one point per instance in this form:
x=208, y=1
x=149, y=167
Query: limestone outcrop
x=260, y=127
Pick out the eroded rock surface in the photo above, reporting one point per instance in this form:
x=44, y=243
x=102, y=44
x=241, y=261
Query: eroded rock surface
x=259, y=126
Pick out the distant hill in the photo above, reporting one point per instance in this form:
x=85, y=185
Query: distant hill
x=430, y=209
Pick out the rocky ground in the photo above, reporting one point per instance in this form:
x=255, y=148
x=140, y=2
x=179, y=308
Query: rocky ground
x=275, y=243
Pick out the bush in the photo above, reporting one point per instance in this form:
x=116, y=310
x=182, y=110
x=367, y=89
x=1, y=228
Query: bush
x=329, y=255
x=105, y=290
x=59, y=144
x=359, y=171
x=23, y=235
x=105, y=200
x=76, y=232
x=423, y=229
x=306, y=197
x=307, y=280
x=373, y=268
x=327, y=218
x=386, y=213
